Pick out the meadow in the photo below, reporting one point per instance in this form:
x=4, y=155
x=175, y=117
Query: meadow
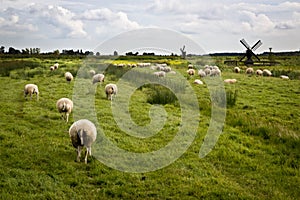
x=257, y=156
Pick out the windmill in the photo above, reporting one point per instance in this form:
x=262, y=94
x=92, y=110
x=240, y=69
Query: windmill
x=249, y=52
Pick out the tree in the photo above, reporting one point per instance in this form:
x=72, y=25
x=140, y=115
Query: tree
x=56, y=52
x=2, y=50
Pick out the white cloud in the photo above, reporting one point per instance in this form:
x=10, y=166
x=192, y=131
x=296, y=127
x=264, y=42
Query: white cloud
x=105, y=16
x=61, y=18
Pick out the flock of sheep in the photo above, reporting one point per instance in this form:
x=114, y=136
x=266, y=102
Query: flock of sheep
x=82, y=132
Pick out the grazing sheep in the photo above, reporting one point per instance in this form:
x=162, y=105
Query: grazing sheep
x=215, y=72
x=68, y=76
x=98, y=78
x=64, y=106
x=111, y=90
x=52, y=68
x=31, y=89
x=55, y=66
x=284, y=77
x=201, y=73
x=236, y=69
x=207, y=71
x=166, y=69
x=191, y=72
x=92, y=72
x=83, y=133
x=230, y=80
x=267, y=72
x=198, y=82
x=259, y=72
x=160, y=74
x=190, y=66
x=249, y=70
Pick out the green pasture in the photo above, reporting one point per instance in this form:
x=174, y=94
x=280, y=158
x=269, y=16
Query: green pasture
x=257, y=156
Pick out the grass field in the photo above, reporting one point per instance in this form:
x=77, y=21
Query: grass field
x=257, y=156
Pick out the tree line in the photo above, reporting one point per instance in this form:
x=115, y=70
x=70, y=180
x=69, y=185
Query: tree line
x=37, y=51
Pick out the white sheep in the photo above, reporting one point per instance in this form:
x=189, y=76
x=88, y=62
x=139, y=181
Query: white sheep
x=259, y=72
x=230, y=80
x=215, y=72
x=267, y=72
x=284, y=77
x=249, y=70
x=68, y=76
x=64, y=106
x=236, y=69
x=191, y=72
x=83, y=133
x=166, y=69
x=56, y=66
x=160, y=74
x=201, y=73
x=52, y=68
x=111, y=90
x=190, y=66
x=207, y=71
x=31, y=89
x=92, y=72
x=198, y=82
x=98, y=78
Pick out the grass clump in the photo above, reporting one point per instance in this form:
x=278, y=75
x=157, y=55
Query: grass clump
x=160, y=95
x=231, y=98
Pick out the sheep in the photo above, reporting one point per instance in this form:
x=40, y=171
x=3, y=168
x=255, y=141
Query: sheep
x=166, y=69
x=83, y=133
x=259, y=72
x=68, y=76
x=92, y=72
x=249, y=70
x=52, y=68
x=160, y=74
x=98, y=78
x=230, y=80
x=207, y=71
x=111, y=90
x=198, y=82
x=215, y=72
x=267, y=72
x=55, y=66
x=190, y=66
x=236, y=69
x=201, y=73
x=64, y=106
x=284, y=77
x=31, y=89
x=191, y=72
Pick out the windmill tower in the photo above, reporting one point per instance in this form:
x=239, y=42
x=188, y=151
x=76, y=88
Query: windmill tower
x=249, y=52
x=183, y=52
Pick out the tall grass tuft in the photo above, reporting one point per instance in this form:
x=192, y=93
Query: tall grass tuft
x=160, y=95
x=231, y=98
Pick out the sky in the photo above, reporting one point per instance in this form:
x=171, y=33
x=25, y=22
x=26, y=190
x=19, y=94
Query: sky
x=216, y=25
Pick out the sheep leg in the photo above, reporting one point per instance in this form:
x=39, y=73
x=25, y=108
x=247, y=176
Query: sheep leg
x=67, y=116
x=86, y=155
x=79, y=148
